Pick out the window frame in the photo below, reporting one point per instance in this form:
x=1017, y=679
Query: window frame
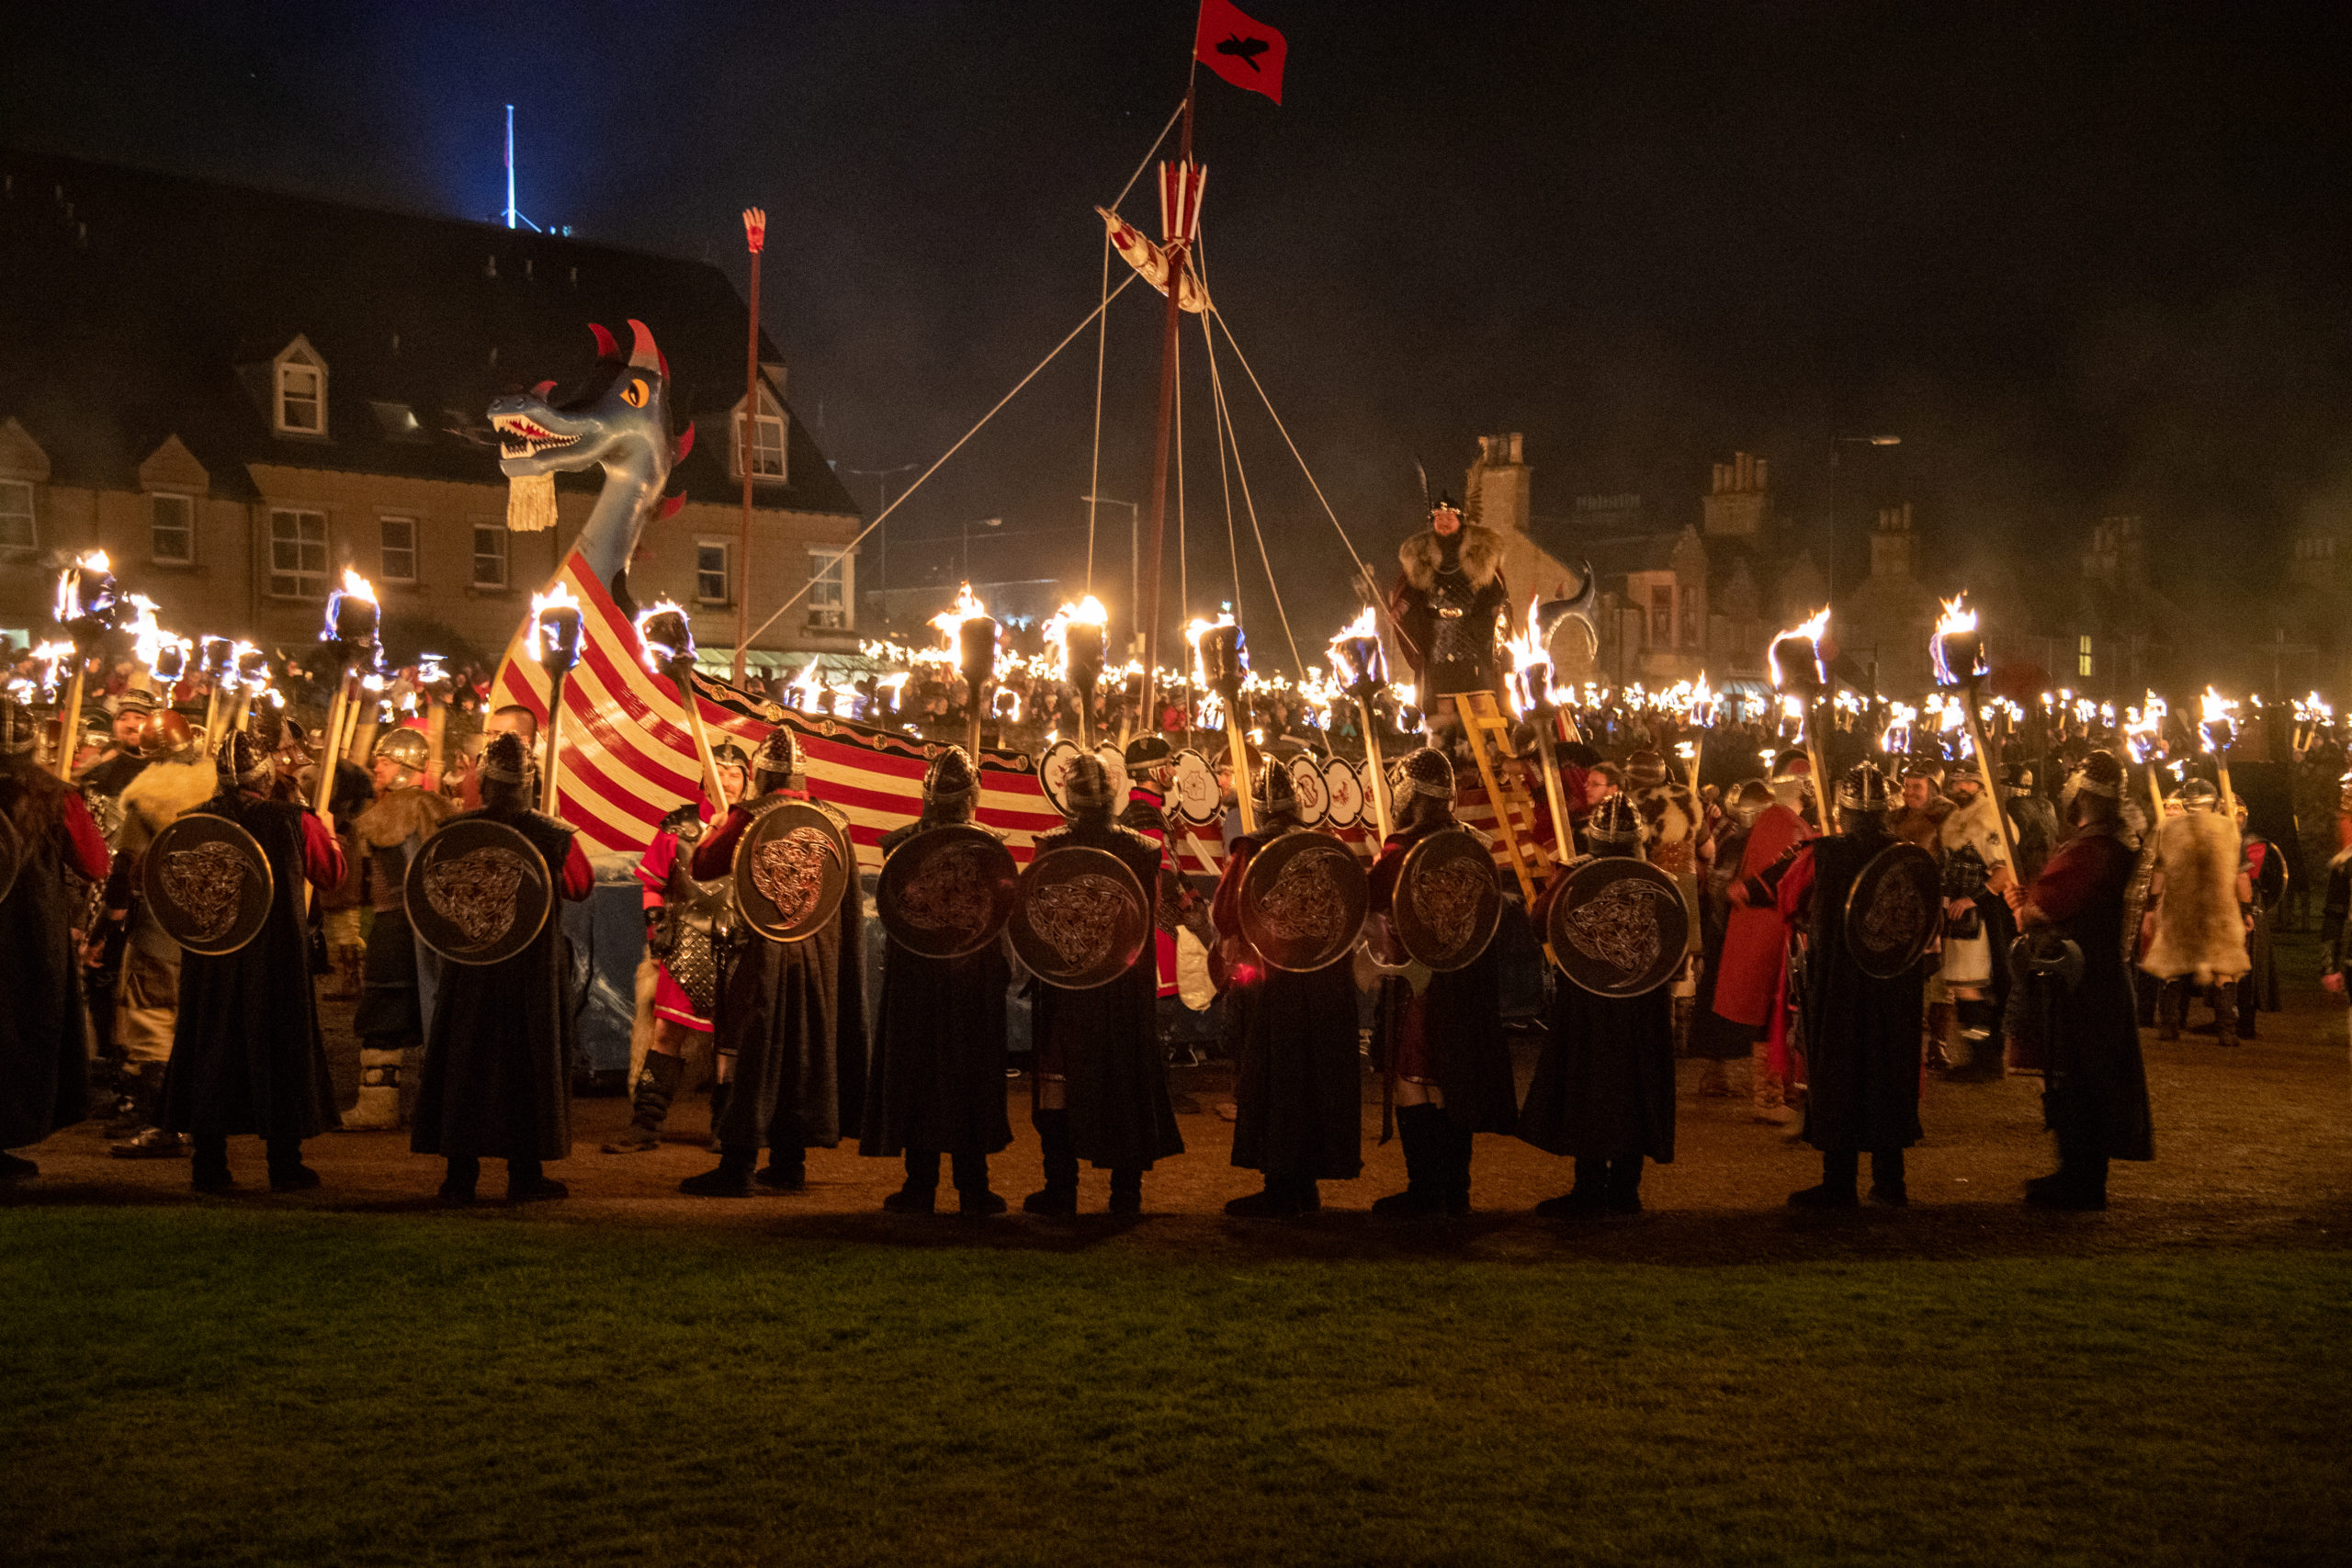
x=504, y=556
x=735, y=450
x=831, y=567
x=31, y=516
x=298, y=359
x=2085, y=659
x=299, y=576
x=726, y=571
x=385, y=522
x=155, y=502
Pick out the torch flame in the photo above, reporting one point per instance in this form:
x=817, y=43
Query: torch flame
x=1957, y=617
x=950, y=622
x=658, y=652
x=1087, y=612
x=2214, y=709
x=1810, y=630
x=357, y=586
x=557, y=597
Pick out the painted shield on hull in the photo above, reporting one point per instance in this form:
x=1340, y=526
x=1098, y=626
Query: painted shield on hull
x=209, y=884
x=1314, y=796
x=793, y=866
x=478, y=892
x=1343, y=787
x=1080, y=918
x=947, y=891
x=1447, y=905
x=1194, y=794
x=1619, y=928
x=1303, y=900
x=1896, y=909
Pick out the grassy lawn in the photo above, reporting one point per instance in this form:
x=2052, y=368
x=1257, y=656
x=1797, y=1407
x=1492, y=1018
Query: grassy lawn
x=224, y=1387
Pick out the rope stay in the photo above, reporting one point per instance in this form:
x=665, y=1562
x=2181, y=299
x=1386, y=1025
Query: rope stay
x=1103, y=345
x=1216, y=386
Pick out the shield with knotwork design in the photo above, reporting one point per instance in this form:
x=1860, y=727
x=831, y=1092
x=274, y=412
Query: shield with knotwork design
x=209, y=884
x=1306, y=784
x=477, y=891
x=947, y=891
x=1194, y=794
x=1894, y=909
x=793, y=866
x=1080, y=918
x=1303, y=900
x=1053, y=773
x=1343, y=787
x=1446, y=904
x=1619, y=928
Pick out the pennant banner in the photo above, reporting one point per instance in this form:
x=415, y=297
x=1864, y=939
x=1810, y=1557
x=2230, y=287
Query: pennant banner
x=1245, y=53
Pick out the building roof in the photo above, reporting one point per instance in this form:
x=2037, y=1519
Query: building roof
x=135, y=306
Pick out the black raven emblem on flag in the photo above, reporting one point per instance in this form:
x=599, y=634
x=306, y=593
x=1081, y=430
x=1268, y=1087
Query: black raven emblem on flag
x=1246, y=49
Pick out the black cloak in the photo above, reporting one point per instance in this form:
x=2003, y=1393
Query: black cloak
x=44, y=1064
x=1862, y=1037
x=1604, y=1081
x=2095, y=1089
x=1463, y=1012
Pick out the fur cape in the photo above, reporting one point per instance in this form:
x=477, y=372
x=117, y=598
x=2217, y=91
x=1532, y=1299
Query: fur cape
x=400, y=815
x=1482, y=555
x=2200, y=930
x=1976, y=823
x=161, y=793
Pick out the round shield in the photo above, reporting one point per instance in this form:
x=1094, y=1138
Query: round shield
x=793, y=865
x=1619, y=928
x=947, y=891
x=12, y=856
x=1446, y=904
x=1896, y=909
x=1194, y=795
x=477, y=891
x=1303, y=900
x=1114, y=762
x=209, y=884
x=1343, y=787
x=1053, y=773
x=1080, y=918
x=1306, y=784
x=2136, y=894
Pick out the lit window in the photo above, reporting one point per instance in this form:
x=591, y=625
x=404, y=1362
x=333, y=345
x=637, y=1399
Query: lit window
x=490, y=556
x=829, y=590
x=710, y=573
x=2083, y=655
x=398, y=562
x=767, y=447
x=16, y=517
x=1661, y=617
x=302, y=397
x=172, y=530
x=298, y=554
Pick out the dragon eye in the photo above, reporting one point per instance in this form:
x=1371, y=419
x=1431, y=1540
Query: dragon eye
x=634, y=394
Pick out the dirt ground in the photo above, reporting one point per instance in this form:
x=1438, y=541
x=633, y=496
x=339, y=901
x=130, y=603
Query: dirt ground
x=2254, y=1148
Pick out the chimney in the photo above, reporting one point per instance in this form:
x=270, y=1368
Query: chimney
x=1759, y=474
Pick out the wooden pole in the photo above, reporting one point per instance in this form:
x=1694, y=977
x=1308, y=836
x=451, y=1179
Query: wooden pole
x=69, y=725
x=1149, y=594
x=1240, y=755
x=551, y=772
x=755, y=234
x=1985, y=773
x=682, y=677
x=1378, y=769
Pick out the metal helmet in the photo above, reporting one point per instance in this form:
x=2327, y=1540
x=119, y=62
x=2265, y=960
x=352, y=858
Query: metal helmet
x=1645, y=770
x=243, y=761
x=19, y=731
x=404, y=747
x=2199, y=795
x=1865, y=788
x=1749, y=800
x=950, y=780
x=1614, y=828
x=777, y=759
x=506, y=759
x=1087, y=787
x=1276, y=795
x=164, y=735
x=1424, y=771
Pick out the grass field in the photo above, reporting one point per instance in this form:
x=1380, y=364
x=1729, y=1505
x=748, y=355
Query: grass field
x=199, y=1387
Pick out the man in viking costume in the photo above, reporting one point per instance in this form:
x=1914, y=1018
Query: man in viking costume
x=1099, y=1087
x=1440, y=1037
x=389, y=1019
x=1751, y=984
x=1603, y=1090
x=1978, y=929
x=247, y=1056
x=178, y=777
x=44, y=1065
x=2200, y=894
x=790, y=1028
x=2265, y=880
x=685, y=923
x=2094, y=1090
x=1299, y=1091
x=498, y=1049
x=1676, y=839
x=1862, y=1034
x=1448, y=602
x=937, y=1083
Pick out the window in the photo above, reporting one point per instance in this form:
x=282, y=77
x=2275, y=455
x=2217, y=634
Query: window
x=2083, y=655
x=2315, y=547
x=1661, y=617
x=829, y=589
x=298, y=554
x=710, y=573
x=767, y=447
x=301, y=396
x=1687, y=627
x=490, y=556
x=16, y=517
x=398, y=562
x=170, y=530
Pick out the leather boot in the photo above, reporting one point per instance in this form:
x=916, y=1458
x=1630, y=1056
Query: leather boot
x=1979, y=1056
x=1625, y=1185
x=2172, y=1009
x=1772, y=1099
x=147, y=1140
x=1059, y=1196
x=209, y=1172
x=379, y=1110
x=973, y=1198
x=1421, y=1128
x=732, y=1178
x=921, y=1189
x=657, y=1085
x=718, y=1094
x=2225, y=1011
x=1839, y=1169
x=1126, y=1193
x=287, y=1171
x=1887, y=1186
x=1457, y=1168
x=1589, y=1199
x=527, y=1181
x=787, y=1170
x=1941, y=1054
x=458, y=1184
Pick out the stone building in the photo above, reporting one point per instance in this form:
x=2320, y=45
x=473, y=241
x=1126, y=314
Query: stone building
x=237, y=393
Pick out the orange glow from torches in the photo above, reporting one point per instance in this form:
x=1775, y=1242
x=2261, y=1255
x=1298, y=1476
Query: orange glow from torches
x=2217, y=713
x=950, y=622
x=555, y=625
x=1809, y=633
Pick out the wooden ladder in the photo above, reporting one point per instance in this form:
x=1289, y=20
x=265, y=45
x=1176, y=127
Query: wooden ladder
x=1482, y=720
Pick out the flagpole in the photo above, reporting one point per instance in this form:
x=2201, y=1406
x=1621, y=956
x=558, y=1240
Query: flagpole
x=1179, y=256
x=755, y=236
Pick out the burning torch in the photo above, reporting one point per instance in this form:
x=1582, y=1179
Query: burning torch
x=350, y=630
x=972, y=631
x=1532, y=692
x=554, y=638
x=1224, y=660
x=1801, y=674
x=669, y=642
x=86, y=609
x=216, y=660
x=1362, y=667
x=1956, y=650
x=2218, y=732
x=1080, y=631
x=2142, y=731
x=438, y=687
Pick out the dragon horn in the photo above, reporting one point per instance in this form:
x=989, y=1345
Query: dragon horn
x=1582, y=606
x=606, y=347
x=669, y=508
x=685, y=444
x=643, y=355
x=542, y=389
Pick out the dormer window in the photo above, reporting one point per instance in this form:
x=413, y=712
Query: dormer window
x=767, y=442
x=302, y=392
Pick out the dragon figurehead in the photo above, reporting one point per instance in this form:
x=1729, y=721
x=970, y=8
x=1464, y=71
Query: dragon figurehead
x=619, y=419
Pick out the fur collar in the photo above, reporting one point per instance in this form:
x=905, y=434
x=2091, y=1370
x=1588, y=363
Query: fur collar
x=400, y=815
x=1482, y=555
x=160, y=793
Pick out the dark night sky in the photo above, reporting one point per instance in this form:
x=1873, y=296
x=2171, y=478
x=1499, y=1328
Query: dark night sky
x=2083, y=259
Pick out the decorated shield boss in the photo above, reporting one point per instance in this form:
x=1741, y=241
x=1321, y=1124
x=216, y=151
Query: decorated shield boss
x=947, y=891
x=209, y=884
x=478, y=892
x=1446, y=903
x=1896, y=909
x=793, y=866
x=1619, y=928
x=1303, y=900
x=1080, y=918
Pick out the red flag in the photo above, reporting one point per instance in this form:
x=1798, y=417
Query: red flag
x=1245, y=53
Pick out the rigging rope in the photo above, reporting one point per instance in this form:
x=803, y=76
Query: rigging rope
x=1216, y=387
x=1101, y=346
x=1050, y=356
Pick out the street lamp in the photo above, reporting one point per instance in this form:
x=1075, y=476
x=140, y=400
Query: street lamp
x=1838, y=444
x=966, y=551
x=1134, y=556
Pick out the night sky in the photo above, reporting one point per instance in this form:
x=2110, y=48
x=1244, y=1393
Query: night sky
x=2082, y=259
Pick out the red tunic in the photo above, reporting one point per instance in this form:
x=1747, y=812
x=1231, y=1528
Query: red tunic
x=85, y=848
x=669, y=998
x=1749, y=980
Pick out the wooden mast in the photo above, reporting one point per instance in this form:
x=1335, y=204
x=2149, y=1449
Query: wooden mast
x=755, y=236
x=1179, y=256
